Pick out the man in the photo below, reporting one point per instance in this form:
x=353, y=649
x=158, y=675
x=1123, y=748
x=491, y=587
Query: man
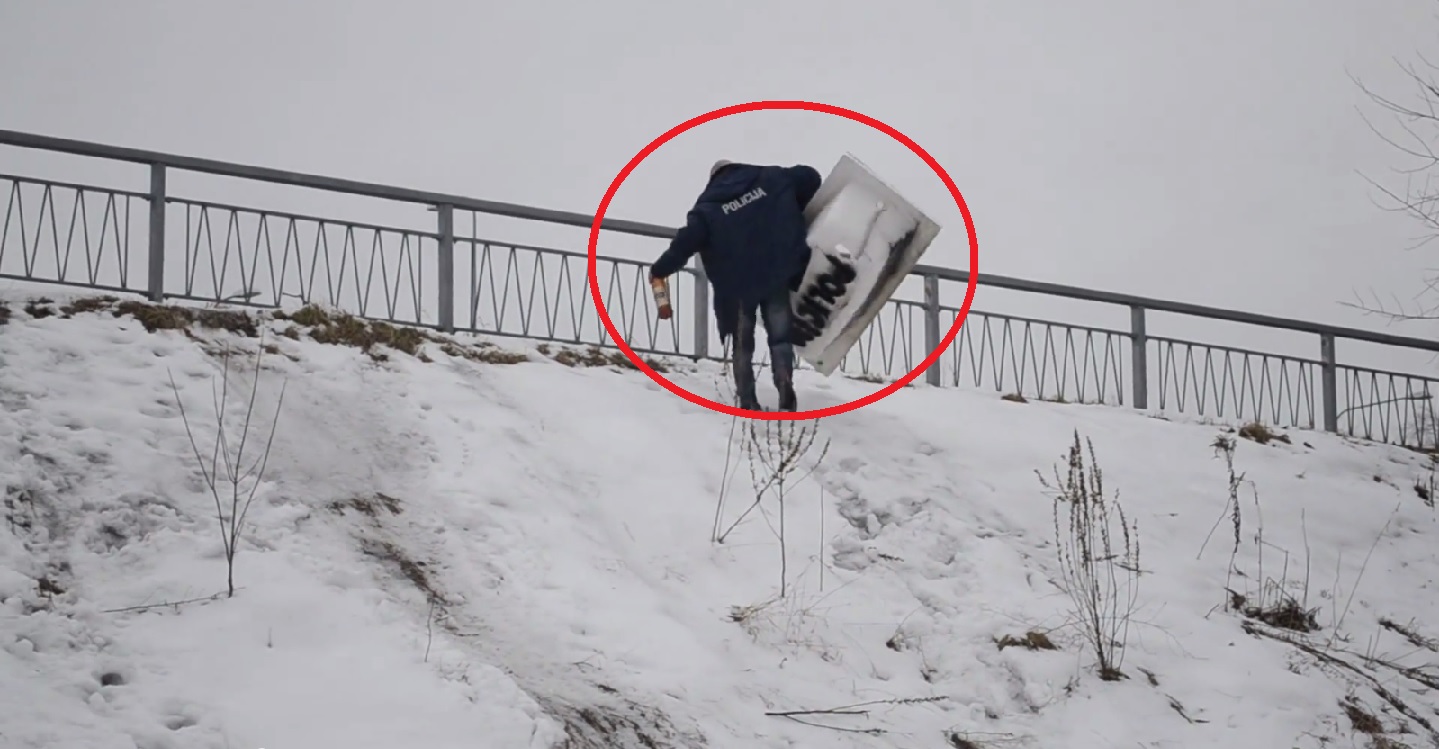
x=749, y=230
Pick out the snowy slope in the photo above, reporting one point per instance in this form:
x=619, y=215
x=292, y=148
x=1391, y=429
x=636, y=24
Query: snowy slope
x=460, y=550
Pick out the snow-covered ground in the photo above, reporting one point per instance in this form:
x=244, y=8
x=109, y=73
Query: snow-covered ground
x=449, y=552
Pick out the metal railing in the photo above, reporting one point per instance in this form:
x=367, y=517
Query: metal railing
x=444, y=274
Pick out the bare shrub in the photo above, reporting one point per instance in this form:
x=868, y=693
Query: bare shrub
x=1272, y=603
x=231, y=481
x=1102, y=581
x=776, y=452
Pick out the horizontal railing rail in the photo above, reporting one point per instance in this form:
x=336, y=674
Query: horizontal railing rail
x=442, y=276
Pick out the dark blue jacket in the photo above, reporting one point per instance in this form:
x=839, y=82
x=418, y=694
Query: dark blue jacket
x=748, y=228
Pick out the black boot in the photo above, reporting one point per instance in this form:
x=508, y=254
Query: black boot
x=783, y=365
x=787, y=399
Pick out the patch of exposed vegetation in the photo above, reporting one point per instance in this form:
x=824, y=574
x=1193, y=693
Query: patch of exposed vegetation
x=1283, y=612
x=340, y=329
x=369, y=505
x=959, y=742
x=485, y=352
x=625, y=723
x=1262, y=434
x=40, y=309
x=1361, y=719
x=372, y=336
x=153, y=316
x=47, y=587
x=166, y=317
x=1014, y=398
x=411, y=570
x=594, y=356
x=4, y=313
x=88, y=304
x=1032, y=640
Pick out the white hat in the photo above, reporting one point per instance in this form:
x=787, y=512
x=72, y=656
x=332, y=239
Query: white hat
x=718, y=165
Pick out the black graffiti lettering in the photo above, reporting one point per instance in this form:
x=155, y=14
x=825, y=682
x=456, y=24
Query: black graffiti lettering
x=816, y=304
x=803, y=333
x=810, y=308
x=831, y=284
x=844, y=272
x=828, y=289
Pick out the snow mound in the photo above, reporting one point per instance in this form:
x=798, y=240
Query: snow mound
x=453, y=542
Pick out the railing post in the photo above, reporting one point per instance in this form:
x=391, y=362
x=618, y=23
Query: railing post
x=1329, y=375
x=931, y=328
x=1139, y=356
x=701, y=312
x=157, y=234
x=446, y=272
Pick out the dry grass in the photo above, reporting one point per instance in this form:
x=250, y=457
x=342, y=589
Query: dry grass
x=412, y=570
x=373, y=337
x=1360, y=719
x=622, y=723
x=339, y=329
x=153, y=316
x=1014, y=398
x=1093, y=560
x=40, y=308
x=1032, y=640
x=1262, y=434
x=377, y=339
x=89, y=304
x=1282, y=611
x=1408, y=632
x=4, y=313
x=487, y=353
x=368, y=505
x=594, y=356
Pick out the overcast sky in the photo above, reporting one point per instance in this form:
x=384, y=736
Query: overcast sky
x=1208, y=152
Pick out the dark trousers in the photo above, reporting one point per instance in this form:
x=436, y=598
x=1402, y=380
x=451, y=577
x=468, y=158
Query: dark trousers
x=777, y=317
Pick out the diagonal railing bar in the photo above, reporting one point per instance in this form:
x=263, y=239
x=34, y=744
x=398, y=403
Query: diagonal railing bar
x=76, y=207
x=249, y=276
x=537, y=276
x=232, y=229
x=45, y=201
x=1029, y=358
x=508, y=281
x=10, y=209
x=377, y=257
